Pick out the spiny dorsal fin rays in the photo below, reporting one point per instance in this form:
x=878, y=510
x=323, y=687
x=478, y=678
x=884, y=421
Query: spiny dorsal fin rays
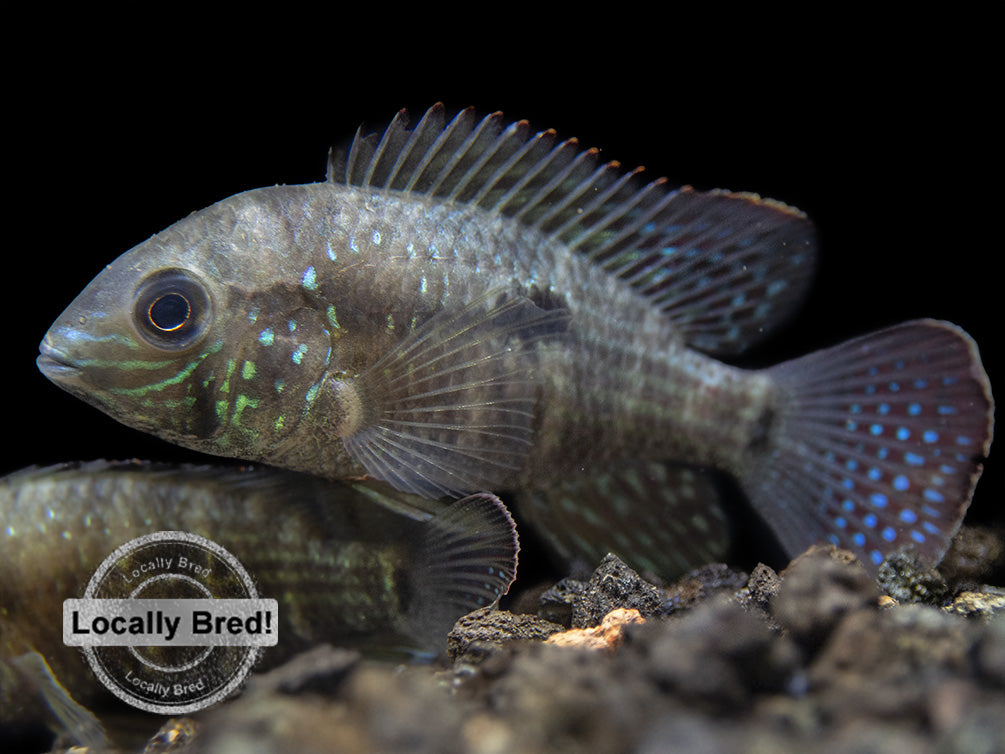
x=726, y=267
x=473, y=151
x=391, y=143
x=450, y=410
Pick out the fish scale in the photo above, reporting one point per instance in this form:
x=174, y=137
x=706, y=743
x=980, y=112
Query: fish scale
x=466, y=305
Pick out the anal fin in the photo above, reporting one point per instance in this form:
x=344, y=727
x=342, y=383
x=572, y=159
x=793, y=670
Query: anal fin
x=660, y=518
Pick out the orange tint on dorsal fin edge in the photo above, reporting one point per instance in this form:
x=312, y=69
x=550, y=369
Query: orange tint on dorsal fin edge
x=726, y=267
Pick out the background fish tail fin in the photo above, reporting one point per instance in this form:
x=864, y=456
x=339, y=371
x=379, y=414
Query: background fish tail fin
x=75, y=721
x=467, y=560
x=877, y=443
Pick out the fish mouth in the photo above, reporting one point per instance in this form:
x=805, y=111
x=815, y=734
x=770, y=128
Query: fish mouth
x=55, y=364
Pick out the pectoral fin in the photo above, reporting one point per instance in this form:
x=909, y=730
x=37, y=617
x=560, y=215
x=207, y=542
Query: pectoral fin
x=451, y=409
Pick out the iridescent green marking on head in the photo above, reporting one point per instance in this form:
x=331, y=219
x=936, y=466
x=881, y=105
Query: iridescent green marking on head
x=187, y=402
x=253, y=314
x=117, y=338
x=266, y=337
x=240, y=403
x=333, y=317
x=310, y=279
x=231, y=364
x=298, y=355
x=278, y=424
x=331, y=252
x=312, y=392
x=390, y=322
x=248, y=370
x=179, y=376
x=128, y=365
x=279, y=385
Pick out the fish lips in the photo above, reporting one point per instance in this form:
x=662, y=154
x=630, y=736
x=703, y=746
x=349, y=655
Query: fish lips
x=55, y=364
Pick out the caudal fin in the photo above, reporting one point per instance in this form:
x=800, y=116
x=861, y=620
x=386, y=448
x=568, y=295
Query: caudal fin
x=877, y=443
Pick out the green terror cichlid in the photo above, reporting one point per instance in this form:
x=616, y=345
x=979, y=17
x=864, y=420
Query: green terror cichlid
x=352, y=565
x=464, y=305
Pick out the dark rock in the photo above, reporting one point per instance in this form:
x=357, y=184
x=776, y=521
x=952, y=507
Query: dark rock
x=887, y=664
x=973, y=553
x=907, y=579
x=817, y=590
x=990, y=654
x=556, y=603
x=378, y=710
x=699, y=585
x=614, y=585
x=558, y=699
x=980, y=731
x=760, y=589
x=718, y=656
x=490, y=626
x=838, y=675
x=985, y=603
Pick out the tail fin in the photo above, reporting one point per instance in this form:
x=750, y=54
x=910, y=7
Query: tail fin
x=877, y=443
x=75, y=721
x=467, y=560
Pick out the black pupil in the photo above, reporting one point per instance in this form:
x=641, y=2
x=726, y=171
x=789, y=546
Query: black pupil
x=169, y=312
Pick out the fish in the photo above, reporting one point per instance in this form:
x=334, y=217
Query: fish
x=361, y=566
x=466, y=305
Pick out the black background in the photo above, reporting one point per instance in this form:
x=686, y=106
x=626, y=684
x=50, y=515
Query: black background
x=890, y=141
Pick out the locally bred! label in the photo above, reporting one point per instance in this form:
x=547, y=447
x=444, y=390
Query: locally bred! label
x=171, y=623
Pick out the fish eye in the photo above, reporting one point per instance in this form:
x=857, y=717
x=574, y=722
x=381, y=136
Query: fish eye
x=169, y=312
x=172, y=309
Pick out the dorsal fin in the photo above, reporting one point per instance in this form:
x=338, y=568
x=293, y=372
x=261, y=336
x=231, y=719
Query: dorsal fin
x=726, y=267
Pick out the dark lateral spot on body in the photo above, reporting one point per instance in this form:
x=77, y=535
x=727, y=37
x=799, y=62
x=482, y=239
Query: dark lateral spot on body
x=761, y=431
x=547, y=299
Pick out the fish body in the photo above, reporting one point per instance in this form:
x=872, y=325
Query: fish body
x=463, y=306
x=348, y=565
